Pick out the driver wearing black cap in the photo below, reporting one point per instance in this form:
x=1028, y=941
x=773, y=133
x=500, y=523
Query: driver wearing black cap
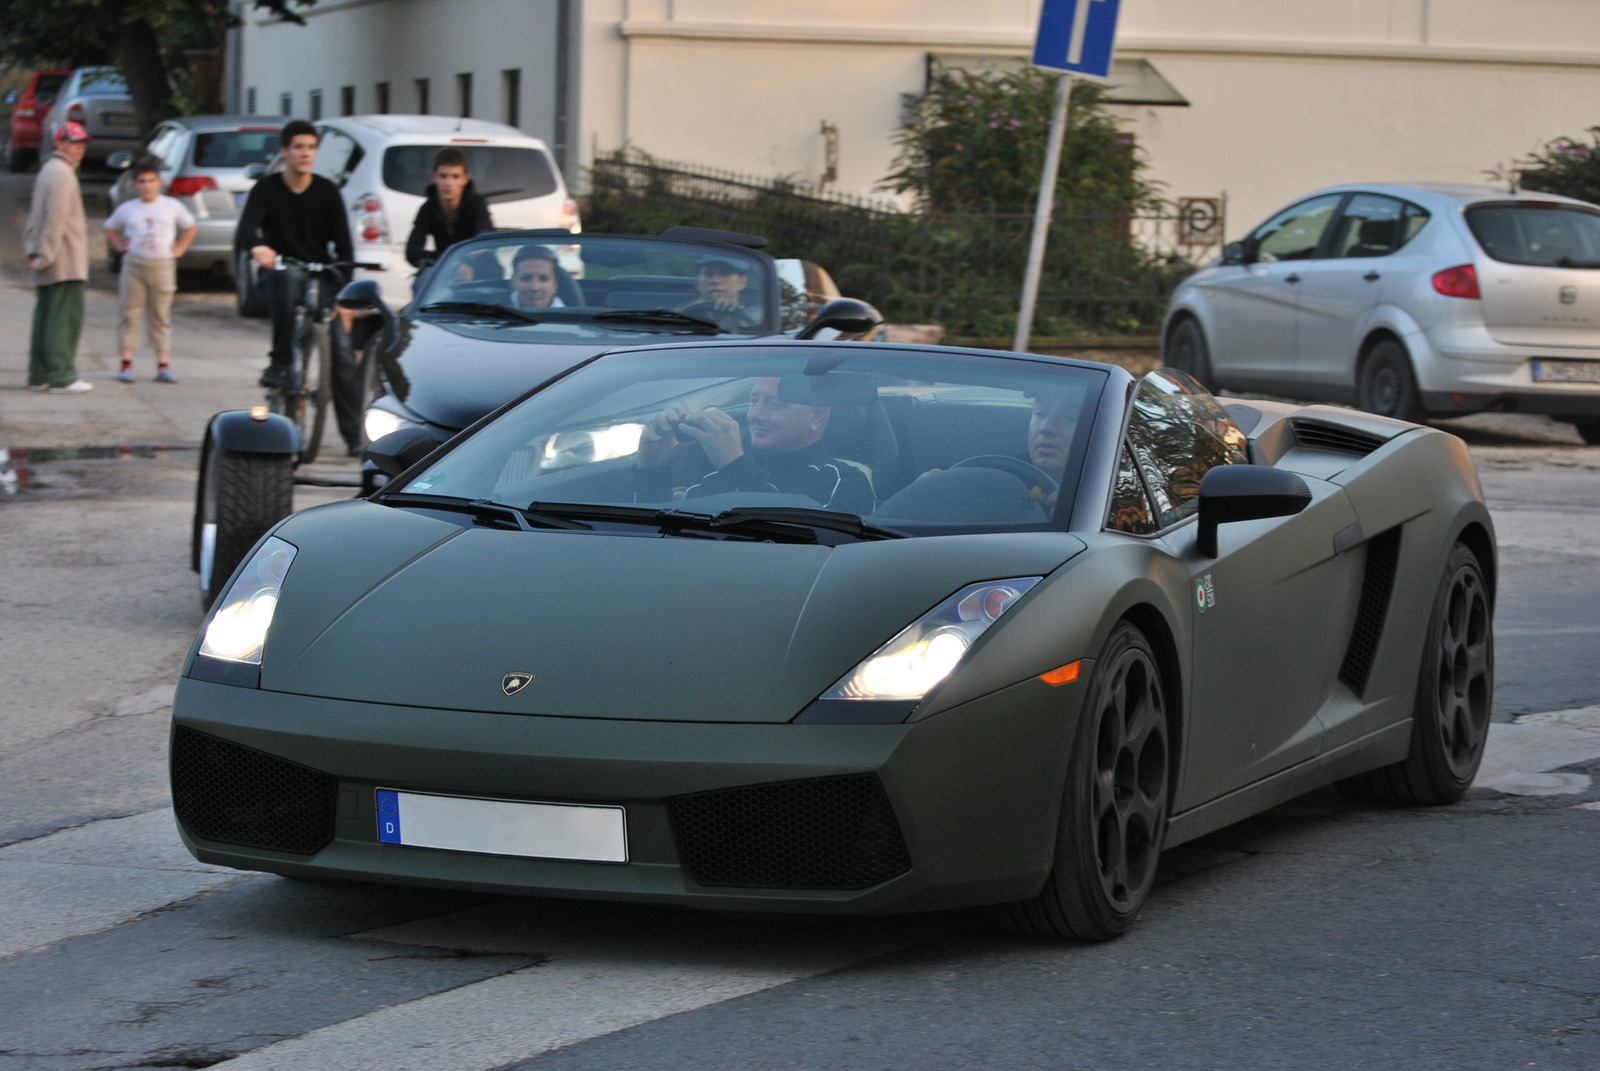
x=722, y=280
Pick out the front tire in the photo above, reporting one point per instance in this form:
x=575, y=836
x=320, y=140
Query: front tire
x=1455, y=691
x=241, y=497
x=1114, y=807
x=1387, y=386
x=1187, y=351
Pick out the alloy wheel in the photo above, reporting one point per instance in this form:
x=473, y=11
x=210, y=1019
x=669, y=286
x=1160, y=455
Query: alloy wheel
x=1130, y=791
x=1463, y=670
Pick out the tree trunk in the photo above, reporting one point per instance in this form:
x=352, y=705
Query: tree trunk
x=140, y=51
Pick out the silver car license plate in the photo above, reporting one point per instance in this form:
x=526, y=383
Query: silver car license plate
x=119, y=119
x=503, y=827
x=1566, y=371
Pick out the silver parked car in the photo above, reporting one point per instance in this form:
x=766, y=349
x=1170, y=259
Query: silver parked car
x=98, y=98
x=209, y=162
x=1406, y=300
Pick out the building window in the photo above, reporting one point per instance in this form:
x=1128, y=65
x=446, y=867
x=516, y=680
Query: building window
x=422, y=96
x=464, y=95
x=347, y=100
x=381, y=92
x=250, y=101
x=511, y=97
x=316, y=105
x=285, y=104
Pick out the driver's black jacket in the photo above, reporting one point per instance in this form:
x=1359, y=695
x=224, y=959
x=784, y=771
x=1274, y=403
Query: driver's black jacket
x=809, y=471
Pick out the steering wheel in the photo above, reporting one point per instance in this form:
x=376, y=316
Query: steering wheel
x=1031, y=475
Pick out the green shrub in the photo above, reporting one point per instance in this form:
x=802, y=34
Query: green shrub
x=1567, y=167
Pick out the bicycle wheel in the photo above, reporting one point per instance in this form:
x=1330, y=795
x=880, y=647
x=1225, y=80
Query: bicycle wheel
x=316, y=358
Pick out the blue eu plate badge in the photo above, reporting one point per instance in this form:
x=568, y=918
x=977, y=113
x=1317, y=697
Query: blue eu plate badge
x=388, y=816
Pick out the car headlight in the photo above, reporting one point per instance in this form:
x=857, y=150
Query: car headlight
x=380, y=422
x=924, y=652
x=568, y=448
x=238, y=629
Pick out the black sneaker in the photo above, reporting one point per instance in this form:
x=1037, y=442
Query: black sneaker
x=352, y=451
x=274, y=376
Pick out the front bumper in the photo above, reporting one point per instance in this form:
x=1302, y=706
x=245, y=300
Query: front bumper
x=975, y=791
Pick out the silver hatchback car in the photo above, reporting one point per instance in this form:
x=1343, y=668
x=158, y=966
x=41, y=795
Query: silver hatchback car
x=209, y=162
x=1406, y=300
x=96, y=97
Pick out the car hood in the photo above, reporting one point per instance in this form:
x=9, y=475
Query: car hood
x=450, y=378
x=387, y=606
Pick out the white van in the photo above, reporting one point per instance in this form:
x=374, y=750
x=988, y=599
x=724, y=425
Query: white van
x=382, y=165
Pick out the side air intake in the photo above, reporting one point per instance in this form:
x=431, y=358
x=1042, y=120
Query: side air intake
x=1383, y=554
x=1315, y=435
x=233, y=794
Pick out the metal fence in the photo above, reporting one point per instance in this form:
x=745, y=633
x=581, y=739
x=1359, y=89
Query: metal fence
x=1104, y=271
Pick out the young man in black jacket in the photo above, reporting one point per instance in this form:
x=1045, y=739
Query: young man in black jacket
x=297, y=214
x=453, y=211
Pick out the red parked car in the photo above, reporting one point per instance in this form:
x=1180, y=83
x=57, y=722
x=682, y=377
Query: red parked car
x=27, y=113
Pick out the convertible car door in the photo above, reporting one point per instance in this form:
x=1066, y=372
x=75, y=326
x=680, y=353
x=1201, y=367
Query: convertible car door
x=1269, y=614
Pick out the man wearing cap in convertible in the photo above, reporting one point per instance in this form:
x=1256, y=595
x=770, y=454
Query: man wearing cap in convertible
x=722, y=280
x=786, y=454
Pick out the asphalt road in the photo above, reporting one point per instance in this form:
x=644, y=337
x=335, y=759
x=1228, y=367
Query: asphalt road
x=1319, y=935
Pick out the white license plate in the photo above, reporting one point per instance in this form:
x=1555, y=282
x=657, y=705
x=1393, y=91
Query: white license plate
x=127, y=119
x=503, y=827
x=1566, y=371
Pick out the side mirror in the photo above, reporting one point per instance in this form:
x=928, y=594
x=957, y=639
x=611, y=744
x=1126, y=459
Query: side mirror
x=845, y=315
x=1233, y=253
x=1246, y=493
x=255, y=171
x=363, y=295
x=120, y=161
x=399, y=450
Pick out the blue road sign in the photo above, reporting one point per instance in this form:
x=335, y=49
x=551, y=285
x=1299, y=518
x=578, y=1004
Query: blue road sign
x=1077, y=36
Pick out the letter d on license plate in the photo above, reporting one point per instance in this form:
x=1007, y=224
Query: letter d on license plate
x=503, y=827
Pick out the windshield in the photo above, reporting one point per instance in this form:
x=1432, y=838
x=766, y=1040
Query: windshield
x=235, y=148
x=1547, y=235
x=912, y=441
x=583, y=283
x=499, y=172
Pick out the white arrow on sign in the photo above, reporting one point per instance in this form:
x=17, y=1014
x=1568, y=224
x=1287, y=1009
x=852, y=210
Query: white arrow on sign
x=1080, y=26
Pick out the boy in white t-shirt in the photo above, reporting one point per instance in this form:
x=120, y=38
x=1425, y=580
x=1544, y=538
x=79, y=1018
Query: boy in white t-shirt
x=151, y=234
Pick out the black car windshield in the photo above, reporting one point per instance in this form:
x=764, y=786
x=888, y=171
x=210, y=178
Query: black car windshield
x=582, y=286
x=916, y=441
x=235, y=148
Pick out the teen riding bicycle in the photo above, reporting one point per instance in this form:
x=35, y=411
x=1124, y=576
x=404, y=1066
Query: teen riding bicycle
x=297, y=214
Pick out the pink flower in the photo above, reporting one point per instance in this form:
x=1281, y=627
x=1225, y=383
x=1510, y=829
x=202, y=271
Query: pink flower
x=1015, y=123
x=994, y=126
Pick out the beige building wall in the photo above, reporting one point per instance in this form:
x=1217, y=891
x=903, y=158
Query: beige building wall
x=1284, y=95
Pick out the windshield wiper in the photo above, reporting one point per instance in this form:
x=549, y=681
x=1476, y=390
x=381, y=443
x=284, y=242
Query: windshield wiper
x=1569, y=262
x=661, y=318
x=825, y=519
x=789, y=525
x=526, y=519
x=481, y=308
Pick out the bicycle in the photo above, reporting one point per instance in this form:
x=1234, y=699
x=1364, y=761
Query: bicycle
x=304, y=395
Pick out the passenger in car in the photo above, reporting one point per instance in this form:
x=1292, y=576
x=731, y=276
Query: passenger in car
x=786, y=454
x=535, y=279
x=723, y=283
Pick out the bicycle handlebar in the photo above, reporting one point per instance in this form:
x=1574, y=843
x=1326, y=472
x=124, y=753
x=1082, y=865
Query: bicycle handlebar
x=283, y=261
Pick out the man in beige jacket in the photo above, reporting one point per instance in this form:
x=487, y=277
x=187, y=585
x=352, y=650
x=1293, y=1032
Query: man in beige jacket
x=56, y=241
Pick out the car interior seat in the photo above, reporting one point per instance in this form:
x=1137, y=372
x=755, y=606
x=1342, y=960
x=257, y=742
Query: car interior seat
x=1374, y=238
x=863, y=436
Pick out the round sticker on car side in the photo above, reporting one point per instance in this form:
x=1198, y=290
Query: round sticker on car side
x=1205, y=596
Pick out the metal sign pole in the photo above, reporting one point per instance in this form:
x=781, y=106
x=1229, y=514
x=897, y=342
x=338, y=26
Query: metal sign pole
x=1041, y=214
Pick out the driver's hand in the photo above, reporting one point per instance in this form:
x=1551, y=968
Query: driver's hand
x=265, y=256
x=725, y=304
x=658, y=443
x=717, y=433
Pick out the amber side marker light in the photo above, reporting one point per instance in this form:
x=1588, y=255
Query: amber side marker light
x=1062, y=674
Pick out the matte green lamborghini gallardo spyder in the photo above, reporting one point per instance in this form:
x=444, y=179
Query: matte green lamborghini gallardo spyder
x=839, y=627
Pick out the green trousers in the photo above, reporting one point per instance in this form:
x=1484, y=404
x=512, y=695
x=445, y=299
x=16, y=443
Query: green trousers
x=57, y=323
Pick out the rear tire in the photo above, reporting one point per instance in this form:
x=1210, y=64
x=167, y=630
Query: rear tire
x=1455, y=692
x=1590, y=430
x=241, y=497
x=1114, y=806
x=246, y=296
x=1187, y=351
x=1387, y=386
